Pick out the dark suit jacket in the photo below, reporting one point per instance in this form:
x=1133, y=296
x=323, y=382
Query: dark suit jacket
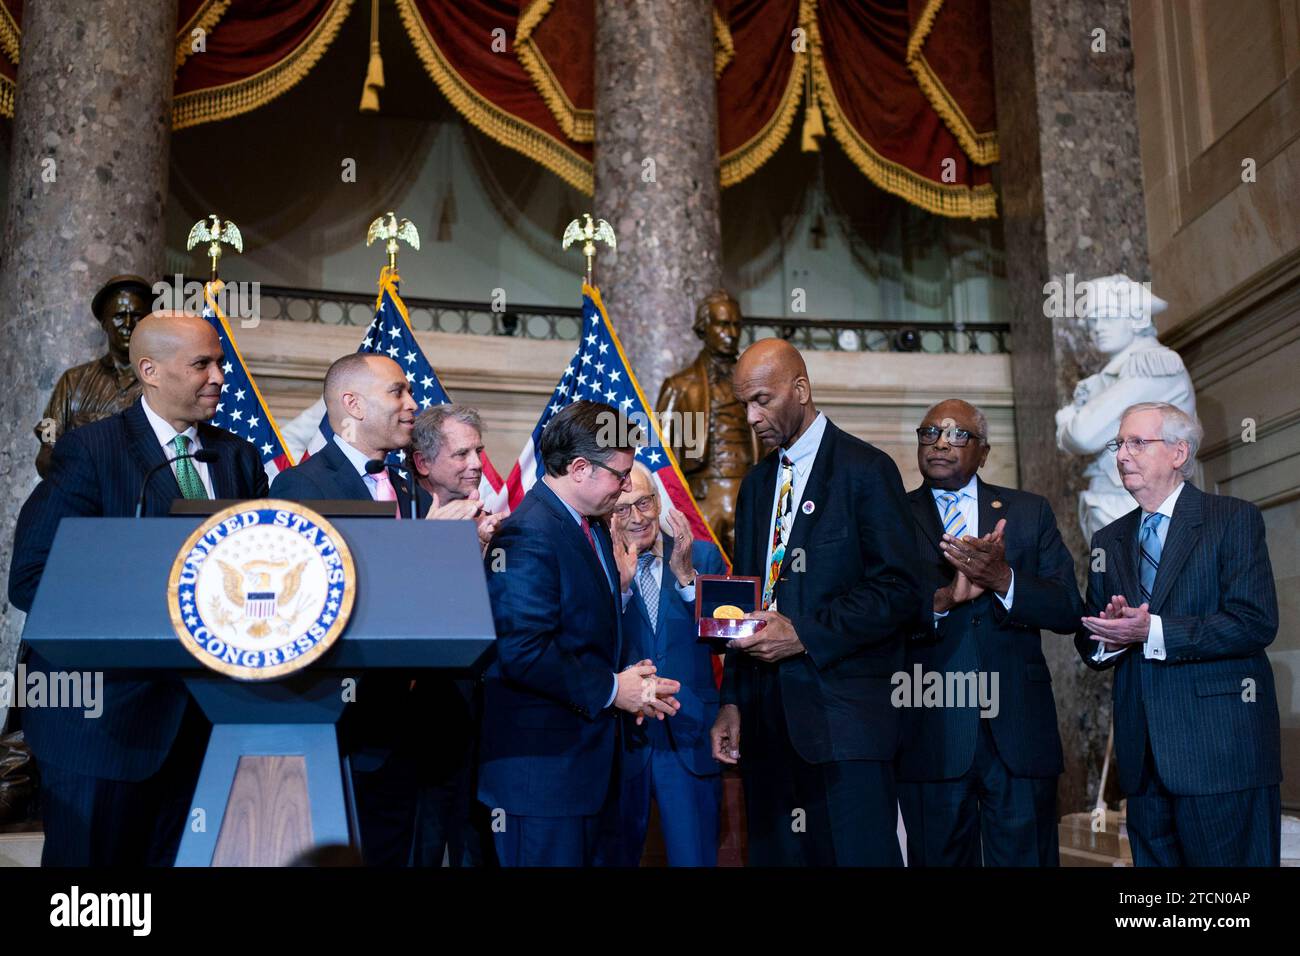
x=982, y=636
x=386, y=715
x=853, y=606
x=548, y=740
x=675, y=648
x=97, y=471
x=1209, y=709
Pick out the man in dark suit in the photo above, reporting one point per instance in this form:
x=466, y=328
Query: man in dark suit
x=549, y=735
x=1182, y=606
x=670, y=762
x=826, y=525
x=977, y=774
x=116, y=790
x=371, y=412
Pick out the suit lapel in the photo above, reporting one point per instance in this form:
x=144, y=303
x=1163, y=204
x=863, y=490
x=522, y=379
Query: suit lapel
x=1124, y=560
x=572, y=531
x=814, y=490
x=1184, y=530
x=148, y=453
x=221, y=471
x=765, y=491
x=351, y=485
x=988, y=515
x=926, y=515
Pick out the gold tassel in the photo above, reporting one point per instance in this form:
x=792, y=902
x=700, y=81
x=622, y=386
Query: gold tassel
x=375, y=70
x=813, y=127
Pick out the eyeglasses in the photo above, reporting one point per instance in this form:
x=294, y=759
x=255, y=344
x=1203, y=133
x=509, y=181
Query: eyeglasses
x=956, y=437
x=645, y=504
x=622, y=476
x=1135, y=446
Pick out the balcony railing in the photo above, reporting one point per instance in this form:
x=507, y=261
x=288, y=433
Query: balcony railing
x=564, y=322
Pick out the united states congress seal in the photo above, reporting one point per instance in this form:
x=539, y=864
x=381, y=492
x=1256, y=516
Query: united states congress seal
x=261, y=589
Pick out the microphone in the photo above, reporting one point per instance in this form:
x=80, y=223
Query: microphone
x=205, y=455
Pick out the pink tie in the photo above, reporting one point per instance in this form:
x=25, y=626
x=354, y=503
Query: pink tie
x=384, y=490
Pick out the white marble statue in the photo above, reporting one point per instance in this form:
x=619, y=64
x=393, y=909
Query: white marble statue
x=1137, y=369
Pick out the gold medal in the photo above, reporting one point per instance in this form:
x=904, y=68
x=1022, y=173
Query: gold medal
x=728, y=611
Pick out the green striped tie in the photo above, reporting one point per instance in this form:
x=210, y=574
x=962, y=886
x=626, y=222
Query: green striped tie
x=187, y=476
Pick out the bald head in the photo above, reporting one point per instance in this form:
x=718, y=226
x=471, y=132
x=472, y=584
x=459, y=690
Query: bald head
x=771, y=380
x=177, y=358
x=369, y=403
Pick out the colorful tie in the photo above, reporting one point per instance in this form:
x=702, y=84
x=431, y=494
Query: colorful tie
x=780, y=532
x=1150, y=547
x=384, y=490
x=645, y=580
x=187, y=476
x=953, y=523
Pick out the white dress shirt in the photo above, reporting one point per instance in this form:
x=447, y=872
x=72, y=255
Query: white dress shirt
x=802, y=454
x=167, y=436
x=968, y=505
x=1154, y=647
x=359, y=461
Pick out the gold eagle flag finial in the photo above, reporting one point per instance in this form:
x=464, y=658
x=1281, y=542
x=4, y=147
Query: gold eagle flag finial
x=389, y=228
x=214, y=232
x=590, y=232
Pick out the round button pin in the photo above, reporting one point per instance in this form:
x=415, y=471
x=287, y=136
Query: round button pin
x=808, y=507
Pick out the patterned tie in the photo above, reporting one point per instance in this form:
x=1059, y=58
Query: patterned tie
x=187, y=476
x=1149, y=547
x=953, y=523
x=384, y=490
x=645, y=580
x=780, y=532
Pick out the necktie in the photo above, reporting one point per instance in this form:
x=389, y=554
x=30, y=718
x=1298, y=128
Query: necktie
x=586, y=529
x=384, y=490
x=953, y=523
x=187, y=476
x=1149, y=547
x=780, y=531
x=645, y=580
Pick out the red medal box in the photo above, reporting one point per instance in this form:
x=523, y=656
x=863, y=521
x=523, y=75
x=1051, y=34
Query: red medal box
x=712, y=591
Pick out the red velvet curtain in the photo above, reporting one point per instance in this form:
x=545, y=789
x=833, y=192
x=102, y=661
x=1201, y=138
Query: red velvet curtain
x=905, y=87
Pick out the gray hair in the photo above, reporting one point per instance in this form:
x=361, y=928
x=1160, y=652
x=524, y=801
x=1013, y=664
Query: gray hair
x=427, y=437
x=981, y=420
x=1175, y=426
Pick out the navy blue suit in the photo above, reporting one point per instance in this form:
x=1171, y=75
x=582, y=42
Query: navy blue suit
x=671, y=760
x=381, y=730
x=818, y=730
x=106, y=780
x=547, y=750
x=1197, y=736
x=983, y=789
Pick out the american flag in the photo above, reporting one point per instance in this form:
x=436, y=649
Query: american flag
x=242, y=410
x=600, y=372
x=390, y=334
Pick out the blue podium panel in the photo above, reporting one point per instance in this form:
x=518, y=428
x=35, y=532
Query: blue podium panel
x=421, y=596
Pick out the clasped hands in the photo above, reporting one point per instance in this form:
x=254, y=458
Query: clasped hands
x=1120, y=625
x=980, y=564
x=467, y=509
x=643, y=693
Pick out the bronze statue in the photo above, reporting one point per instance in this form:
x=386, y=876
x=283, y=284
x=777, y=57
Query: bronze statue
x=86, y=393
x=716, y=456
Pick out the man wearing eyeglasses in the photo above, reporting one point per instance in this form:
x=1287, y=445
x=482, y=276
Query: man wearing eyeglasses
x=1182, y=604
x=558, y=584
x=669, y=762
x=977, y=776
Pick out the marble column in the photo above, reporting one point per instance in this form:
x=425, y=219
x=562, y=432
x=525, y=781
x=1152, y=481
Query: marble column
x=87, y=186
x=1072, y=202
x=657, y=175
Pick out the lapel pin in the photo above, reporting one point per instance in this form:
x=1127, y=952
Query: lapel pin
x=997, y=504
x=809, y=507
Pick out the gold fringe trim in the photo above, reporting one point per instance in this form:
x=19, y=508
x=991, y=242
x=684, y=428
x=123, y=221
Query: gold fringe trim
x=745, y=160
x=578, y=124
x=508, y=130
x=10, y=35
x=205, y=18
x=6, y=97
x=982, y=148
x=943, y=199
x=724, y=47
x=241, y=96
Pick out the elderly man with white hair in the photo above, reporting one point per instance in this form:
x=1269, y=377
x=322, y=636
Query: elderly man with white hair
x=1182, y=605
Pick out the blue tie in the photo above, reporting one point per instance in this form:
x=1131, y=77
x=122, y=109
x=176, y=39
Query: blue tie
x=953, y=523
x=1149, y=548
x=645, y=579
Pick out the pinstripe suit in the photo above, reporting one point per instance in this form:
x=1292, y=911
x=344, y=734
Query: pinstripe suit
x=1197, y=734
x=97, y=471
